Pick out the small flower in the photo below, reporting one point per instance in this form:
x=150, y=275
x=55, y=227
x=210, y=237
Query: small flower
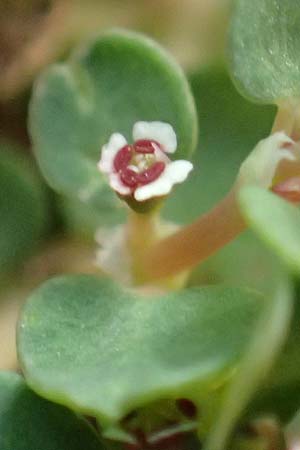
x=261, y=165
x=274, y=164
x=143, y=170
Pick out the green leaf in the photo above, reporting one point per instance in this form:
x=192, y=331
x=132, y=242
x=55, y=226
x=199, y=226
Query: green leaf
x=107, y=86
x=264, y=49
x=264, y=347
x=83, y=219
x=230, y=128
x=275, y=221
x=86, y=343
x=23, y=209
x=28, y=422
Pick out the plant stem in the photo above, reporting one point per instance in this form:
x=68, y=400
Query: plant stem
x=142, y=230
x=194, y=243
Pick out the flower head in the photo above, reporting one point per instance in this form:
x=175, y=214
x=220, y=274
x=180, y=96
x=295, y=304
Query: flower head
x=261, y=165
x=274, y=164
x=143, y=170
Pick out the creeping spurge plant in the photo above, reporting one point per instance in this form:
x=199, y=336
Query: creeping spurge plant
x=189, y=336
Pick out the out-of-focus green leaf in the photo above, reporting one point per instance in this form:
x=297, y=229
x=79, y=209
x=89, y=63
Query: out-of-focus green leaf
x=264, y=49
x=23, y=209
x=28, y=422
x=230, y=127
x=275, y=221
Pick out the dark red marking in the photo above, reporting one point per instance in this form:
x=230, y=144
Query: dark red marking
x=145, y=146
x=151, y=174
x=187, y=407
x=123, y=157
x=129, y=178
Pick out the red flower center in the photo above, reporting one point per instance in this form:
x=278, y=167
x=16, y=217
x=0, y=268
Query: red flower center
x=146, y=146
x=125, y=157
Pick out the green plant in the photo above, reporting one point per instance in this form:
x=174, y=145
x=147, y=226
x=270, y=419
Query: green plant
x=147, y=359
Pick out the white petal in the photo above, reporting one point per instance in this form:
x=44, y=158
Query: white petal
x=260, y=166
x=117, y=185
x=161, y=132
x=109, y=151
x=178, y=171
x=175, y=172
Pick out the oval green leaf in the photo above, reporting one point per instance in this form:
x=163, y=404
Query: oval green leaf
x=86, y=343
x=23, y=209
x=264, y=49
x=230, y=128
x=28, y=422
x=107, y=86
x=275, y=221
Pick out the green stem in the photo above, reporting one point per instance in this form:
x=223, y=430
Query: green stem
x=142, y=232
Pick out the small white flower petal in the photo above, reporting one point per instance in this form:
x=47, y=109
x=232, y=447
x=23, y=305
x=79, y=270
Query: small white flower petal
x=109, y=151
x=178, y=171
x=161, y=132
x=117, y=185
x=175, y=172
x=260, y=166
x=161, y=186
